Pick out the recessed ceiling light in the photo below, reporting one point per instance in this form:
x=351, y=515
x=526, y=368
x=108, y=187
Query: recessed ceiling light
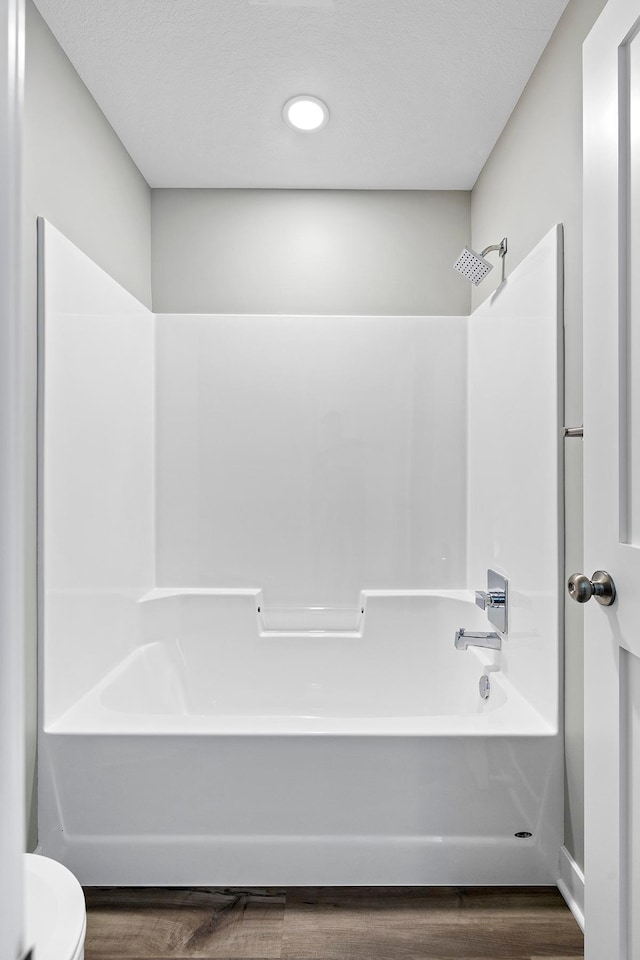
x=306, y=113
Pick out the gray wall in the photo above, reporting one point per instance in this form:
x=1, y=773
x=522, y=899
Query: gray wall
x=309, y=251
x=78, y=175
x=77, y=172
x=532, y=180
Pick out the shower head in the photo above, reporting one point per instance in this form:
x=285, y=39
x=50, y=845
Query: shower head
x=473, y=265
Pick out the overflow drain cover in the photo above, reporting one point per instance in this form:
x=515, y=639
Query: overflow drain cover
x=523, y=835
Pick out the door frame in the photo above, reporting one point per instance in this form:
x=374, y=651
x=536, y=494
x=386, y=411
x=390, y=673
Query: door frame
x=12, y=475
x=612, y=735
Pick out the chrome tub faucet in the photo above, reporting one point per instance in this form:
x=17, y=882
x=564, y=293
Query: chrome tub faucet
x=474, y=638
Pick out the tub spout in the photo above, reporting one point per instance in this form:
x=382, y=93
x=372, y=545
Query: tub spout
x=469, y=638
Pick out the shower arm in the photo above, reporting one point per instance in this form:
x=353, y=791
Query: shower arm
x=500, y=247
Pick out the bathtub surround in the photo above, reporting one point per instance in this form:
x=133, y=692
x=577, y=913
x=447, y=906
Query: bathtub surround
x=333, y=692
x=515, y=508
x=104, y=346
x=294, y=454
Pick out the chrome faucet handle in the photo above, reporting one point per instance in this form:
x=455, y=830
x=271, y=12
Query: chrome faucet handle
x=490, y=598
x=482, y=597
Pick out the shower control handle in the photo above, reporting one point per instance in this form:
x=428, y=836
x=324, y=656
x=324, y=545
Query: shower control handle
x=600, y=586
x=490, y=598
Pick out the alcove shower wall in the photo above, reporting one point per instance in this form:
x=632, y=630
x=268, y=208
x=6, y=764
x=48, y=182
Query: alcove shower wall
x=259, y=534
x=310, y=457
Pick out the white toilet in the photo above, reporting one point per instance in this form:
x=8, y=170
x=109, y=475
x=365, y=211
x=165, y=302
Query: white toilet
x=55, y=913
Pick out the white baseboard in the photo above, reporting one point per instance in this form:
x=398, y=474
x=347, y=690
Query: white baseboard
x=571, y=885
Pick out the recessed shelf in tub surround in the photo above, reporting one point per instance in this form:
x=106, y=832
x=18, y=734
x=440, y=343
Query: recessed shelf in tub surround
x=167, y=610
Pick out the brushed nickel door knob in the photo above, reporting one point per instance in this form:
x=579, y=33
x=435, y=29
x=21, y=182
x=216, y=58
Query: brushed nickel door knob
x=601, y=586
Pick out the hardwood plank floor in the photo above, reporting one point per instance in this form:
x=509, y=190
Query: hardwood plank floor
x=330, y=923
x=169, y=923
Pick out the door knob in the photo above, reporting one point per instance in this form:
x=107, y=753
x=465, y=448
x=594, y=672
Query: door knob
x=601, y=586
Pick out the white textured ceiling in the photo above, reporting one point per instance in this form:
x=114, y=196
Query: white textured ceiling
x=419, y=90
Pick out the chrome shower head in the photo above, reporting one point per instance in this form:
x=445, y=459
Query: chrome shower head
x=473, y=265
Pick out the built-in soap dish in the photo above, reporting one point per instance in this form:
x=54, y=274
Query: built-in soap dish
x=312, y=619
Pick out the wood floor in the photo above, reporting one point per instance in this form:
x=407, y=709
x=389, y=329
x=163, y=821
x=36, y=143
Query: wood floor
x=330, y=923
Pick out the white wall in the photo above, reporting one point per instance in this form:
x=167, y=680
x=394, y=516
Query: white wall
x=532, y=180
x=77, y=174
x=309, y=251
x=97, y=496
x=515, y=517
x=312, y=457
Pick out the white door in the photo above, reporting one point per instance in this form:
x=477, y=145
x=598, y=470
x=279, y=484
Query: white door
x=612, y=480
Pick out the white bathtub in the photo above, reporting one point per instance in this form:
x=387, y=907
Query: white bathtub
x=220, y=752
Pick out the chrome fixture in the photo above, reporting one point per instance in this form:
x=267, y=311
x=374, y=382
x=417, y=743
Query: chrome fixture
x=495, y=599
x=473, y=265
x=492, y=598
x=574, y=431
x=601, y=586
x=474, y=638
x=484, y=686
